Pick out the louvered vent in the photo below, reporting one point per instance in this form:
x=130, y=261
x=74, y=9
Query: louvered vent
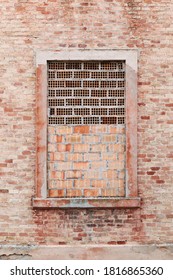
x=86, y=92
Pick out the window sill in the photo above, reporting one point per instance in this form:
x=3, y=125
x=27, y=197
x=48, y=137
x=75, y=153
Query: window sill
x=86, y=202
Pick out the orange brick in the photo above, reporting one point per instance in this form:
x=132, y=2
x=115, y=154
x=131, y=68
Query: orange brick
x=119, y=165
x=64, y=184
x=74, y=139
x=109, y=138
x=80, y=165
x=91, y=192
x=116, y=148
x=116, y=184
x=121, y=189
x=51, y=147
x=109, y=192
x=98, y=165
x=74, y=157
x=51, y=184
x=121, y=156
x=60, y=184
x=82, y=183
x=64, y=130
x=81, y=129
x=99, y=148
x=91, y=139
x=110, y=174
x=50, y=156
x=59, y=156
x=121, y=139
x=92, y=156
x=109, y=156
x=92, y=174
x=58, y=138
x=50, y=165
x=74, y=174
x=98, y=183
x=99, y=128
x=74, y=193
x=63, y=166
x=56, y=175
x=57, y=193
x=81, y=148
x=120, y=129
x=64, y=148
x=121, y=174
x=51, y=138
x=51, y=130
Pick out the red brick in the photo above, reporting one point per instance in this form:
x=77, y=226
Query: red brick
x=3, y=164
x=150, y=172
x=155, y=168
x=145, y=117
x=160, y=181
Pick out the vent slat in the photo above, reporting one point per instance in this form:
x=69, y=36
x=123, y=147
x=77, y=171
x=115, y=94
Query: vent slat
x=86, y=92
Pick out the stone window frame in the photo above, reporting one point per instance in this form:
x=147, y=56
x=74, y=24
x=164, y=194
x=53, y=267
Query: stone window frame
x=131, y=199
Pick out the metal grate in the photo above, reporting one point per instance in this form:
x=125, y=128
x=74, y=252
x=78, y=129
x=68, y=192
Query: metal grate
x=86, y=92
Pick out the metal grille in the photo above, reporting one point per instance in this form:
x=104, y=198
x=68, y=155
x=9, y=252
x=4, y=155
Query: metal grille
x=86, y=92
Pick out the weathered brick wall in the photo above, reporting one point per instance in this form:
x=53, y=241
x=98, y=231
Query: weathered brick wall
x=28, y=26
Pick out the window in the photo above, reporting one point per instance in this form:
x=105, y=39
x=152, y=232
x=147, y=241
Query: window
x=86, y=129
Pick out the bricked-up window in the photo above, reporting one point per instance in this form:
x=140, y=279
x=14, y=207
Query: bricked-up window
x=86, y=129
x=86, y=148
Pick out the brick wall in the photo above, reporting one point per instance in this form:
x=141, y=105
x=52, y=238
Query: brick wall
x=86, y=161
x=28, y=26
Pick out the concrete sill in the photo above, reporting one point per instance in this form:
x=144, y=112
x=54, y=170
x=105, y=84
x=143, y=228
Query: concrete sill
x=86, y=202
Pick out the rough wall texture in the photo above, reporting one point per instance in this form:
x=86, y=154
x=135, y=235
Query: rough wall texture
x=28, y=26
x=86, y=161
